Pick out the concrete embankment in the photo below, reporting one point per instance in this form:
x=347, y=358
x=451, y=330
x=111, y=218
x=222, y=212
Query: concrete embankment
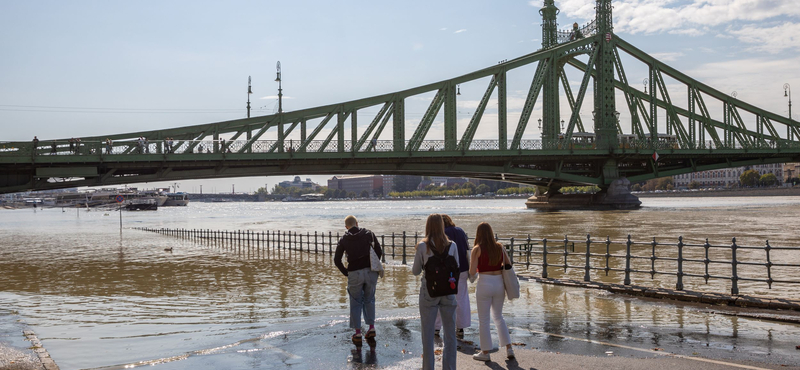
x=20, y=349
x=759, y=192
x=789, y=309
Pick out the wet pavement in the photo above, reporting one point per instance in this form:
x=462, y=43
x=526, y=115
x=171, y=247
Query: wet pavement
x=306, y=343
x=15, y=351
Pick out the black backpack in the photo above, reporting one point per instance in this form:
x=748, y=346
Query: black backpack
x=441, y=273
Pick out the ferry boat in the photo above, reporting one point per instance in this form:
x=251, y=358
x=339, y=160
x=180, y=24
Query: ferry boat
x=178, y=199
x=306, y=198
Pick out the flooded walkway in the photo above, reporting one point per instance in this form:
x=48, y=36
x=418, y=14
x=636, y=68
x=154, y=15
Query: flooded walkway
x=100, y=300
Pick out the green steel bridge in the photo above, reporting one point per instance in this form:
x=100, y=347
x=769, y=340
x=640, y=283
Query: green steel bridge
x=695, y=136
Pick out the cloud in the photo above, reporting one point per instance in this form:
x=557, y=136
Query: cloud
x=417, y=46
x=692, y=17
x=443, y=29
x=461, y=30
x=667, y=57
x=764, y=38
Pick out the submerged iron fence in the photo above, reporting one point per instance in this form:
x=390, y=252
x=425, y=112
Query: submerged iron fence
x=731, y=263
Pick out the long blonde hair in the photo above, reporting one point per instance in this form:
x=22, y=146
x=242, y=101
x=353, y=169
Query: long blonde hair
x=484, y=238
x=434, y=233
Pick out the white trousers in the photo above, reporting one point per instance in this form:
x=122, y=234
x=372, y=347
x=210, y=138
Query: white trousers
x=463, y=314
x=490, y=295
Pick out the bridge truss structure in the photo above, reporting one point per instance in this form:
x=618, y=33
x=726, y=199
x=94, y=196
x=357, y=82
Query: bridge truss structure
x=710, y=130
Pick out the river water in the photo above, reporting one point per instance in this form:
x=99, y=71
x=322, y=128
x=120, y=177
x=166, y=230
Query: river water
x=99, y=298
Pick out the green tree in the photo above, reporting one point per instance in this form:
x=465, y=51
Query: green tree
x=749, y=178
x=768, y=179
x=664, y=183
x=364, y=194
x=482, y=189
x=694, y=185
x=469, y=186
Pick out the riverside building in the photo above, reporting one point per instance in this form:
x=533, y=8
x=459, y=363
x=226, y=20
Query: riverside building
x=727, y=177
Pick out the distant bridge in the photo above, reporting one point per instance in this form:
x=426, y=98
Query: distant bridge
x=691, y=138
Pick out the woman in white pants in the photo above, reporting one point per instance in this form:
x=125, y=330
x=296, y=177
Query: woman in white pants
x=488, y=260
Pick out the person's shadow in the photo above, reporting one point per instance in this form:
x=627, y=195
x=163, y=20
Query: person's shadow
x=361, y=362
x=511, y=364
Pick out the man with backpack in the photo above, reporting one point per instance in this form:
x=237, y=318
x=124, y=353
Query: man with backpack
x=437, y=256
x=361, y=280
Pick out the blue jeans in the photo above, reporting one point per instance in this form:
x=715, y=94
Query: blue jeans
x=428, y=307
x=361, y=287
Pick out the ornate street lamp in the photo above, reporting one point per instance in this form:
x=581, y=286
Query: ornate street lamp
x=249, y=92
x=645, y=82
x=280, y=90
x=458, y=91
x=787, y=92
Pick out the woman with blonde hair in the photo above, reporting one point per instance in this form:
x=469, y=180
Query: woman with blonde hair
x=436, y=244
x=488, y=260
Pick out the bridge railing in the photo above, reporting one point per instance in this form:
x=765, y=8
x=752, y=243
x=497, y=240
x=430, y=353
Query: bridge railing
x=162, y=147
x=626, y=261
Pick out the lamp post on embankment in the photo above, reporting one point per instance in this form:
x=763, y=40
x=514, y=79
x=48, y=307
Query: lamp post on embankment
x=787, y=92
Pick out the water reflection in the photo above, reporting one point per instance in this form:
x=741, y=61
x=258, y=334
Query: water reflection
x=98, y=298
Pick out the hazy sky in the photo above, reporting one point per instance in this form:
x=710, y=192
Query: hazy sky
x=81, y=68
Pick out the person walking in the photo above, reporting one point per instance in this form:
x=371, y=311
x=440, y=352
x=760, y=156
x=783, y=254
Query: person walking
x=35, y=145
x=436, y=244
x=463, y=314
x=489, y=258
x=361, y=280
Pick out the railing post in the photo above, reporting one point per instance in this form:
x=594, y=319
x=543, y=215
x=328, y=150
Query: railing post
x=627, y=280
x=587, y=268
x=511, y=257
x=566, y=252
x=734, y=275
x=528, y=253
x=330, y=242
x=653, y=259
x=383, y=249
x=404, y=247
x=608, y=252
x=544, y=258
x=315, y=242
x=706, y=260
x=679, y=284
x=769, y=266
x=393, y=255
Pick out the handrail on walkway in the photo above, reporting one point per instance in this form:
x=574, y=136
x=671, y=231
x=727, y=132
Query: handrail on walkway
x=735, y=263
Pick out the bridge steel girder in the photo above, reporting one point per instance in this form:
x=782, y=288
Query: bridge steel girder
x=681, y=111
x=551, y=163
x=685, y=79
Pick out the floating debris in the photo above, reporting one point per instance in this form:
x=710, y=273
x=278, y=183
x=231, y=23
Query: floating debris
x=609, y=353
x=658, y=349
x=518, y=344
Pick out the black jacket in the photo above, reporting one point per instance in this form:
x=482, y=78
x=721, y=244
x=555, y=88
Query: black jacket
x=356, y=243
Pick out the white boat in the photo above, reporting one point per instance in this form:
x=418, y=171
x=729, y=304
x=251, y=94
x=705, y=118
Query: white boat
x=179, y=199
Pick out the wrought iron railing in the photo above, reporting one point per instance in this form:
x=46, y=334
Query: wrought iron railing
x=162, y=147
x=631, y=261
x=588, y=30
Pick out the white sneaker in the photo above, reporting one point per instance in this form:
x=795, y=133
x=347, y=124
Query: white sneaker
x=480, y=356
x=509, y=353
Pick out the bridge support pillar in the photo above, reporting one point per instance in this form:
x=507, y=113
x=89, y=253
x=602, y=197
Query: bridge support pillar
x=617, y=195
